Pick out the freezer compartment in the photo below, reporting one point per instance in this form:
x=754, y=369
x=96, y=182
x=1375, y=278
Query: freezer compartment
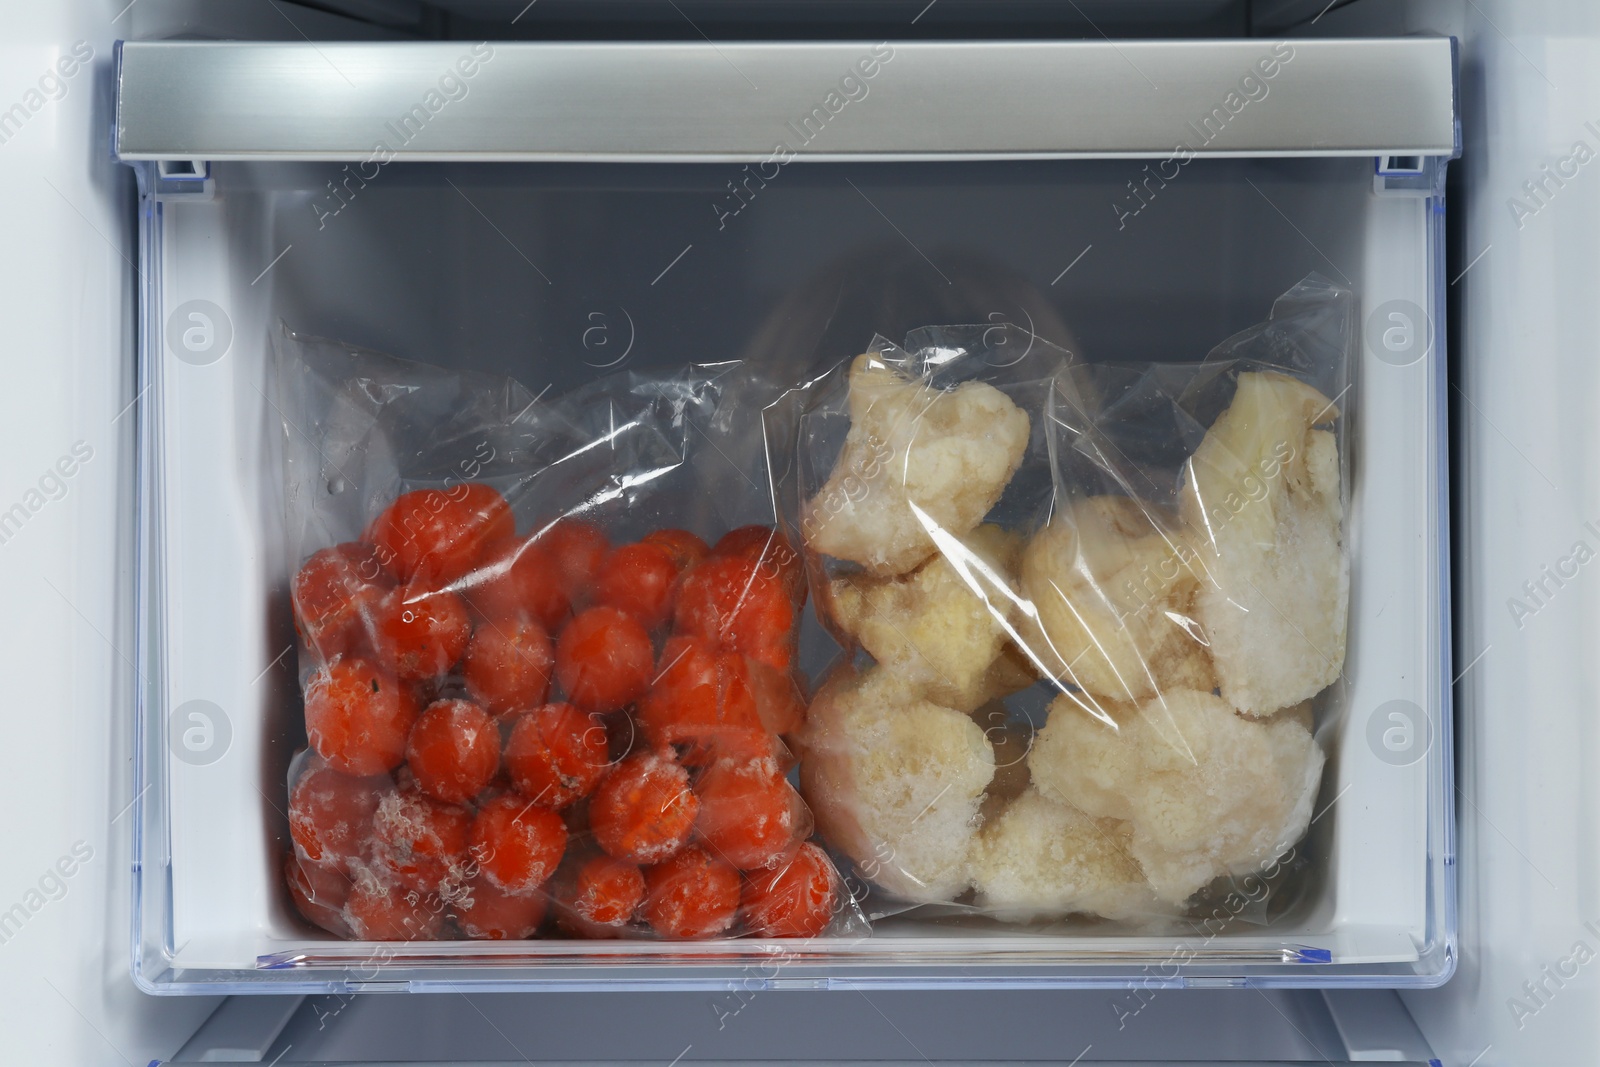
x=280, y=189
x=556, y=273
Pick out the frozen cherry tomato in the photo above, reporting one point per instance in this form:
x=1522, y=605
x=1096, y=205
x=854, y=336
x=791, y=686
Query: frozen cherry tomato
x=772, y=550
x=683, y=695
x=746, y=745
x=485, y=912
x=777, y=701
x=420, y=842
x=795, y=899
x=749, y=815
x=686, y=548
x=435, y=535
x=454, y=750
x=604, y=659
x=517, y=844
x=509, y=665
x=644, y=810
x=556, y=754
x=638, y=579
x=576, y=548
x=330, y=814
x=335, y=595
x=381, y=911
x=607, y=891
x=321, y=883
x=516, y=579
x=694, y=700
x=693, y=894
x=421, y=634
x=733, y=601
x=357, y=716
x=319, y=892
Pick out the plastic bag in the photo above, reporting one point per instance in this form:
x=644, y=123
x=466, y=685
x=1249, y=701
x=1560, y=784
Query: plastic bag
x=1088, y=607
x=536, y=697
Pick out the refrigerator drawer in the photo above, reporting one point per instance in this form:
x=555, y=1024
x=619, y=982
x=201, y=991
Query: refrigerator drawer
x=556, y=212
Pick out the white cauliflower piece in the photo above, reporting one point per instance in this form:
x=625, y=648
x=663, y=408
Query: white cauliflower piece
x=894, y=782
x=1108, y=593
x=1040, y=857
x=1261, y=502
x=1206, y=792
x=941, y=628
x=946, y=454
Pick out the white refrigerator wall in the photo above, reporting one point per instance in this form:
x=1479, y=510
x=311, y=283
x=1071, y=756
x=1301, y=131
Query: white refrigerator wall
x=68, y=286
x=1526, y=486
x=1525, y=276
x=67, y=290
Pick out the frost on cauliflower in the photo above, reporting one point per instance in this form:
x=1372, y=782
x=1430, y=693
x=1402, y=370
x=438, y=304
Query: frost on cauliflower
x=946, y=454
x=1261, y=503
x=941, y=628
x=895, y=782
x=1040, y=857
x=1109, y=594
x=1205, y=792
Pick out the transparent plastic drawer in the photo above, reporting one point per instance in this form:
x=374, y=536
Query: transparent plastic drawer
x=568, y=210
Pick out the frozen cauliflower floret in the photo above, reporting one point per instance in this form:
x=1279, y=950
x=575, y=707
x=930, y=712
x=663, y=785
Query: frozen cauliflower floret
x=1261, y=503
x=1040, y=857
x=1110, y=594
x=947, y=454
x=1206, y=792
x=894, y=782
x=940, y=628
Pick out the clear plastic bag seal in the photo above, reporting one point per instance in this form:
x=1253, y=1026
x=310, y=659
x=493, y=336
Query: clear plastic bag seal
x=1093, y=614
x=547, y=651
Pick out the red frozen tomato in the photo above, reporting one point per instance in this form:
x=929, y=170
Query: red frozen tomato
x=330, y=814
x=485, y=912
x=319, y=892
x=421, y=633
x=576, y=548
x=686, y=548
x=454, y=750
x=517, y=579
x=435, y=536
x=358, y=716
x=335, y=595
x=509, y=665
x=420, y=843
x=644, y=810
x=604, y=659
x=796, y=899
x=607, y=891
x=691, y=895
x=749, y=815
x=772, y=550
x=378, y=910
x=697, y=700
x=556, y=754
x=734, y=602
x=638, y=579
x=517, y=844
x=774, y=694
